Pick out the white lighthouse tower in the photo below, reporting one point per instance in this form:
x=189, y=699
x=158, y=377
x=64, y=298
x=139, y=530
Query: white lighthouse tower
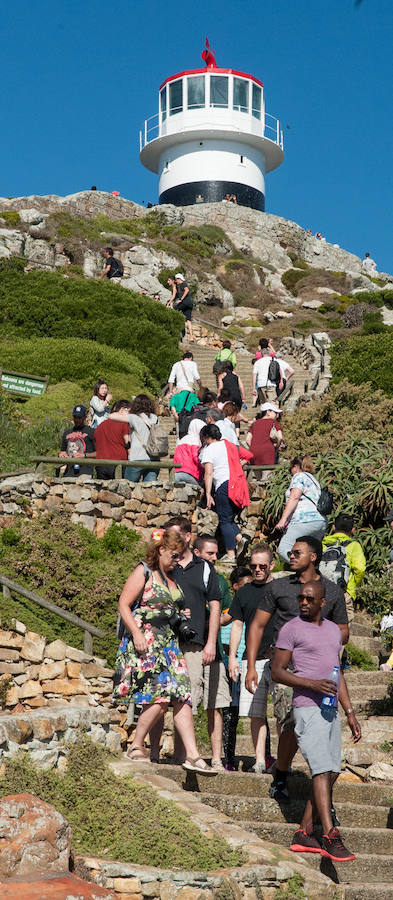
x=211, y=137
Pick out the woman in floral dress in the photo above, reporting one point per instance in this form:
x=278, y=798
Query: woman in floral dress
x=152, y=670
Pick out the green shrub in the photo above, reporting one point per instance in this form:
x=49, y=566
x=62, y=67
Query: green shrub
x=373, y=324
x=73, y=359
x=116, y=816
x=11, y=218
x=376, y=298
x=360, y=659
x=19, y=442
x=291, y=277
x=45, y=304
x=365, y=359
x=45, y=555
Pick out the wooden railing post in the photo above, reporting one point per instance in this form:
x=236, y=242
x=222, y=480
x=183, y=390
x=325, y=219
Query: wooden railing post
x=6, y=592
x=88, y=642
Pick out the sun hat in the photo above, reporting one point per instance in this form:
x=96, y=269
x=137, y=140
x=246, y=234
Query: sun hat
x=179, y=275
x=266, y=406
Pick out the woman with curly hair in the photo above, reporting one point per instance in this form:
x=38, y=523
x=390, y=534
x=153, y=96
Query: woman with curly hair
x=151, y=670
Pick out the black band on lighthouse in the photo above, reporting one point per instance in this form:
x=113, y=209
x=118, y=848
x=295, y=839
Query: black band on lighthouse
x=213, y=192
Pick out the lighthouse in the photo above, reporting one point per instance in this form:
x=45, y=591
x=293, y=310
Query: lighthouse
x=212, y=137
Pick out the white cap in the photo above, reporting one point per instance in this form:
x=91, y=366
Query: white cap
x=266, y=406
x=179, y=275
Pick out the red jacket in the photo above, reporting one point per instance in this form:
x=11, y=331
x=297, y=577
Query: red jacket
x=237, y=485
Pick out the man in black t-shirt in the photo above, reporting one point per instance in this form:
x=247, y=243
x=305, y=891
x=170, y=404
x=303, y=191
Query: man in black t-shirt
x=242, y=610
x=113, y=268
x=78, y=442
x=280, y=600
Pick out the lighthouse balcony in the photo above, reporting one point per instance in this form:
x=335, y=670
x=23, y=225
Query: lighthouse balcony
x=217, y=118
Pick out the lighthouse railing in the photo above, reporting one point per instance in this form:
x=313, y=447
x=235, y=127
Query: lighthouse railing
x=154, y=128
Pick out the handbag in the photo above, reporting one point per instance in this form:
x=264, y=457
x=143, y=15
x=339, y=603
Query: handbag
x=274, y=435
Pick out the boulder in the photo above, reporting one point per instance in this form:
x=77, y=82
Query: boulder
x=39, y=252
x=12, y=242
x=36, y=839
x=312, y=304
x=31, y=216
x=380, y=771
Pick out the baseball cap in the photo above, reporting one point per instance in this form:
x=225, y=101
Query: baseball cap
x=389, y=516
x=79, y=411
x=266, y=406
x=179, y=275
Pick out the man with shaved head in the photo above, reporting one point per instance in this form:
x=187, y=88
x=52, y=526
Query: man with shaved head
x=307, y=650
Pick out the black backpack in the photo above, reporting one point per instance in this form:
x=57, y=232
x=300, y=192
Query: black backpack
x=274, y=372
x=334, y=563
x=185, y=416
x=325, y=502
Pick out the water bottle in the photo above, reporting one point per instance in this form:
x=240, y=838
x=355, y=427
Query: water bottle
x=77, y=469
x=245, y=406
x=327, y=701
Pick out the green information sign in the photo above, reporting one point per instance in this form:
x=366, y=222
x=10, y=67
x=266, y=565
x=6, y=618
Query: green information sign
x=20, y=383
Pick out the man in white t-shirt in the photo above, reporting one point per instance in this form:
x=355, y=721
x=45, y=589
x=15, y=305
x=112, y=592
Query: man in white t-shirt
x=368, y=265
x=185, y=374
x=262, y=386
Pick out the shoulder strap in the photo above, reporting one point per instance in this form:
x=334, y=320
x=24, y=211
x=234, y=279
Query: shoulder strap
x=206, y=574
x=313, y=480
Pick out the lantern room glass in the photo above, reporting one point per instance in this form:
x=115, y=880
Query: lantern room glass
x=196, y=92
x=163, y=104
x=175, y=97
x=256, y=101
x=219, y=91
x=240, y=95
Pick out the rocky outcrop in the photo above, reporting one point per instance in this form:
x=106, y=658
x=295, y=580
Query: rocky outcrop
x=35, y=838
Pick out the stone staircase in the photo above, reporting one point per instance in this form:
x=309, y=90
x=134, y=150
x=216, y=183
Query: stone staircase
x=365, y=809
x=204, y=357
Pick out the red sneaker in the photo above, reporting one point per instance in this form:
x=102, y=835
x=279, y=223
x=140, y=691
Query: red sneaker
x=305, y=843
x=333, y=847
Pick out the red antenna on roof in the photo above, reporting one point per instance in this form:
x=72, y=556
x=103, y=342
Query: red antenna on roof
x=208, y=55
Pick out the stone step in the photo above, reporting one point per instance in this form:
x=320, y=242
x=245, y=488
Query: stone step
x=358, y=676
x=367, y=867
x=357, y=839
x=362, y=629
x=265, y=809
x=240, y=785
x=360, y=890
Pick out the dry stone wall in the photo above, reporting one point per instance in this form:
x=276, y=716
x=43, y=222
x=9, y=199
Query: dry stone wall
x=98, y=504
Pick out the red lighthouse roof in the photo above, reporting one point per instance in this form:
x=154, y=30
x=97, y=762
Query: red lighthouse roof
x=211, y=71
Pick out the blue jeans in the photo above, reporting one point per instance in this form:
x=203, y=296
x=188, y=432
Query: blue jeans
x=296, y=530
x=226, y=511
x=185, y=476
x=134, y=475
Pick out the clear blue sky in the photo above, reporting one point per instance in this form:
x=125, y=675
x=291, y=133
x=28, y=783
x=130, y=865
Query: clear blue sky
x=80, y=77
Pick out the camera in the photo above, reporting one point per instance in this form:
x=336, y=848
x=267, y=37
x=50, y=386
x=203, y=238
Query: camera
x=181, y=626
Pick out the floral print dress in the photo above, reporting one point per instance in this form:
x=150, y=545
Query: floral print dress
x=160, y=674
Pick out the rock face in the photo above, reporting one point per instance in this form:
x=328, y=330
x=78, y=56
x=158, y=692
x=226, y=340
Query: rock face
x=62, y=887
x=35, y=838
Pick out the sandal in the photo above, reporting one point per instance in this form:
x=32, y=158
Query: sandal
x=138, y=755
x=191, y=765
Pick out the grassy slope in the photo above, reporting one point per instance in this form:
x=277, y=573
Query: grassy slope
x=117, y=817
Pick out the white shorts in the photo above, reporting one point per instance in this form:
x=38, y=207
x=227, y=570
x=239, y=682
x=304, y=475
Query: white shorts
x=255, y=705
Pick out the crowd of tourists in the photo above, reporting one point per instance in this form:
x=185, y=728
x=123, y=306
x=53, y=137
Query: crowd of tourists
x=190, y=636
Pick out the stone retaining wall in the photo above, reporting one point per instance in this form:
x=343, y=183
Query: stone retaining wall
x=98, y=504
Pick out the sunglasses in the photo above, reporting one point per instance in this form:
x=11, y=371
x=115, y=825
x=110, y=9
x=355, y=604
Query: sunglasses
x=263, y=566
x=295, y=553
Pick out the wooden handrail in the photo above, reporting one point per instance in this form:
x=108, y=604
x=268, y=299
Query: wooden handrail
x=9, y=586
x=119, y=464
